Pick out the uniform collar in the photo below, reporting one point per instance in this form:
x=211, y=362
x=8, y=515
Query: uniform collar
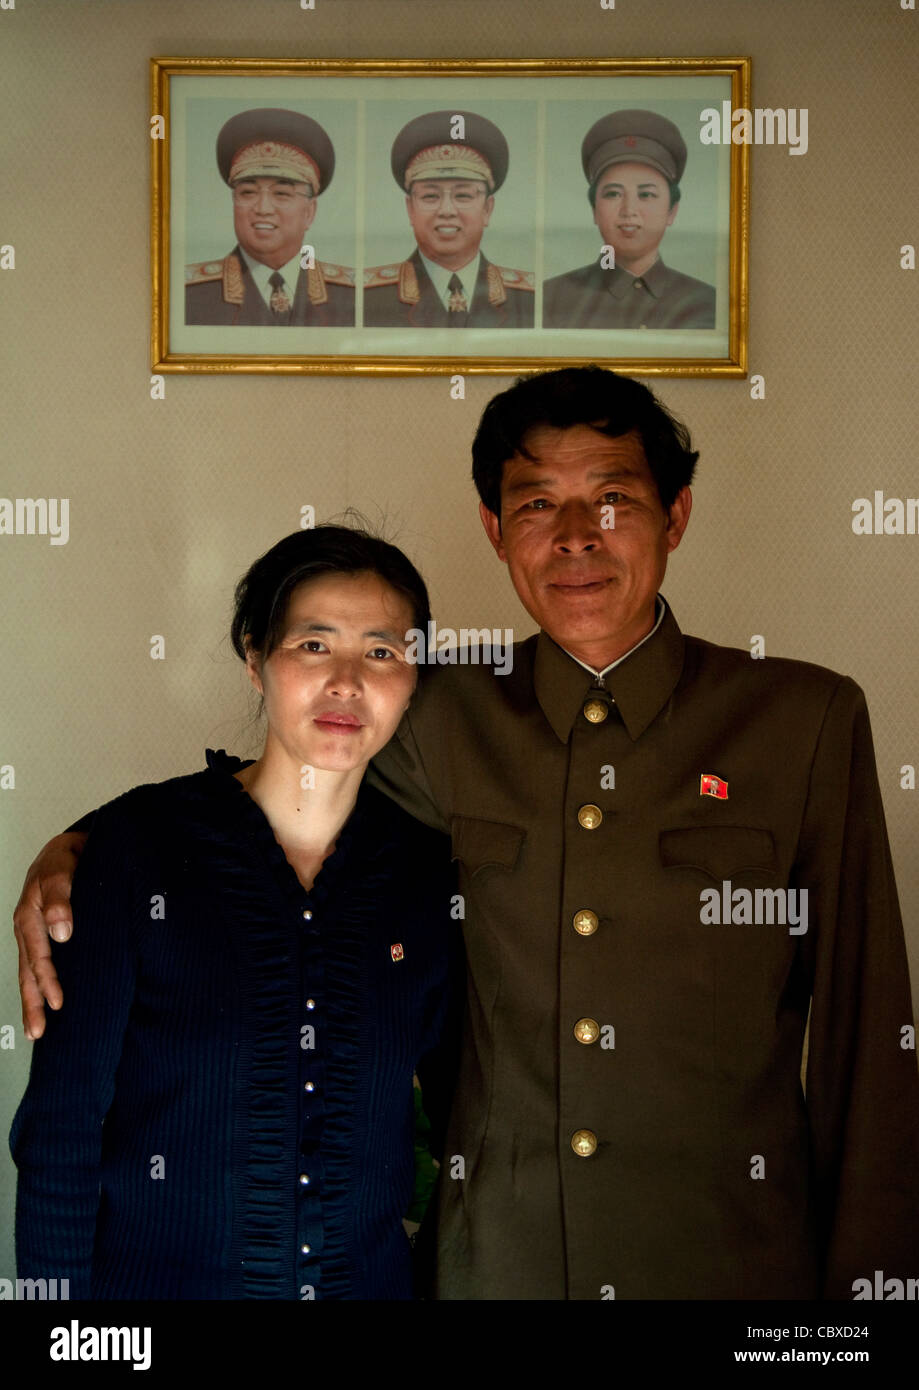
x=261, y=274
x=440, y=278
x=640, y=685
x=660, y=608
x=621, y=282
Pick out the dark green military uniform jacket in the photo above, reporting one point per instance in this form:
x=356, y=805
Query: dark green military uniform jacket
x=223, y=293
x=629, y=1115
x=403, y=296
x=595, y=298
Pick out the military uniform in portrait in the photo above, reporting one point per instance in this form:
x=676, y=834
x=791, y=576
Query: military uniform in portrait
x=276, y=164
x=449, y=182
x=223, y=293
x=596, y=298
x=403, y=296
x=633, y=162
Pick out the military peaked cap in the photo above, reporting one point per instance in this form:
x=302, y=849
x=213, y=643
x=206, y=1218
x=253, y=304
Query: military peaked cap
x=426, y=149
x=634, y=137
x=273, y=143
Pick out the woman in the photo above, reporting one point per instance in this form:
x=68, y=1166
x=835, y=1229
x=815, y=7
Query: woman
x=265, y=957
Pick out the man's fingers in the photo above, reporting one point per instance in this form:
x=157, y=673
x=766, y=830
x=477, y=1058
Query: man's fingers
x=44, y=907
x=46, y=978
x=33, y=1005
x=37, y=976
x=35, y=964
x=57, y=912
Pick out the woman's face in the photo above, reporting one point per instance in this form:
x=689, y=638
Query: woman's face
x=338, y=683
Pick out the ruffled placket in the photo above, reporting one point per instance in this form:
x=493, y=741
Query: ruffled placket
x=305, y=957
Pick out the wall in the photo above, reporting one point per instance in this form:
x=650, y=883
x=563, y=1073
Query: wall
x=171, y=499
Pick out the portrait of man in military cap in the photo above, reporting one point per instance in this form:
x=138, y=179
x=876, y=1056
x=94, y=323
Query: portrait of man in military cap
x=449, y=165
x=633, y=162
x=276, y=164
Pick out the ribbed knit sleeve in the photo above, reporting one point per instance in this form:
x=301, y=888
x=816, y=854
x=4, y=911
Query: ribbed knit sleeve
x=56, y=1139
x=438, y=1060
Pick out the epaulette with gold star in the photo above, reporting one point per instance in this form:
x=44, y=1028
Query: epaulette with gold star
x=501, y=279
x=203, y=271
x=516, y=279
x=337, y=274
x=401, y=273
x=377, y=275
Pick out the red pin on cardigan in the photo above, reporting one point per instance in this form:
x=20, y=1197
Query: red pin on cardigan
x=396, y=950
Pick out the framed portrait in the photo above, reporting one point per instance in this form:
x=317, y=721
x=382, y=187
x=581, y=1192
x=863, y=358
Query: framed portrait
x=444, y=216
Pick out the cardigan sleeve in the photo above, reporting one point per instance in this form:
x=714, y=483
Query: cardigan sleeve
x=862, y=1083
x=437, y=1069
x=56, y=1138
x=438, y=1062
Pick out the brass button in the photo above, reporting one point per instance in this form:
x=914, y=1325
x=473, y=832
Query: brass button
x=584, y=1142
x=587, y=1030
x=590, y=817
x=639, y=284
x=595, y=711
x=585, y=922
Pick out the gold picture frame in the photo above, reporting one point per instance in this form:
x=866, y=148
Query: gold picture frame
x=540, y=220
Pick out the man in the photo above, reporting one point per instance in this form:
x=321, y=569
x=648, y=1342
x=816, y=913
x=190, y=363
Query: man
x=449, y=182
x=633, y=162
x=276, y=163
x=629, y=1119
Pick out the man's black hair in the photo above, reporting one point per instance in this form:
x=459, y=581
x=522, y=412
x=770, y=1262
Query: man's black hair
x=611, y=404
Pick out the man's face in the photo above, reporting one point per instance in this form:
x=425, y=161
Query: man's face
x=270, y=217
x=448, y=217
x=590, y=586
x=632, y=210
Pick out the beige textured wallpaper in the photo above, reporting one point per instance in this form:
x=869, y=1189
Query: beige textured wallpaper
x=171, y=499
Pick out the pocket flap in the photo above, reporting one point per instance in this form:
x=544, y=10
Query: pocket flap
x=478, y=843
x=719, y=851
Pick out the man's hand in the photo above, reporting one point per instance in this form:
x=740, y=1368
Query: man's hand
x=43, y=909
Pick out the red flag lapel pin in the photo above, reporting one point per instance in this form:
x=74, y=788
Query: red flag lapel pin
x=710, y=785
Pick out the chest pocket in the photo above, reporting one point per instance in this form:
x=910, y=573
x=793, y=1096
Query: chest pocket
x=480, y=844
x=721, y=852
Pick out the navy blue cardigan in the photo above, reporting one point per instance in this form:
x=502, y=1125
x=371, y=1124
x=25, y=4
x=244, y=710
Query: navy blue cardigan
x=223, y=1108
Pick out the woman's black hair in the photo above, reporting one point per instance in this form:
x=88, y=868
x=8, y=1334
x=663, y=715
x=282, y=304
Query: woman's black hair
x=263, y=593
